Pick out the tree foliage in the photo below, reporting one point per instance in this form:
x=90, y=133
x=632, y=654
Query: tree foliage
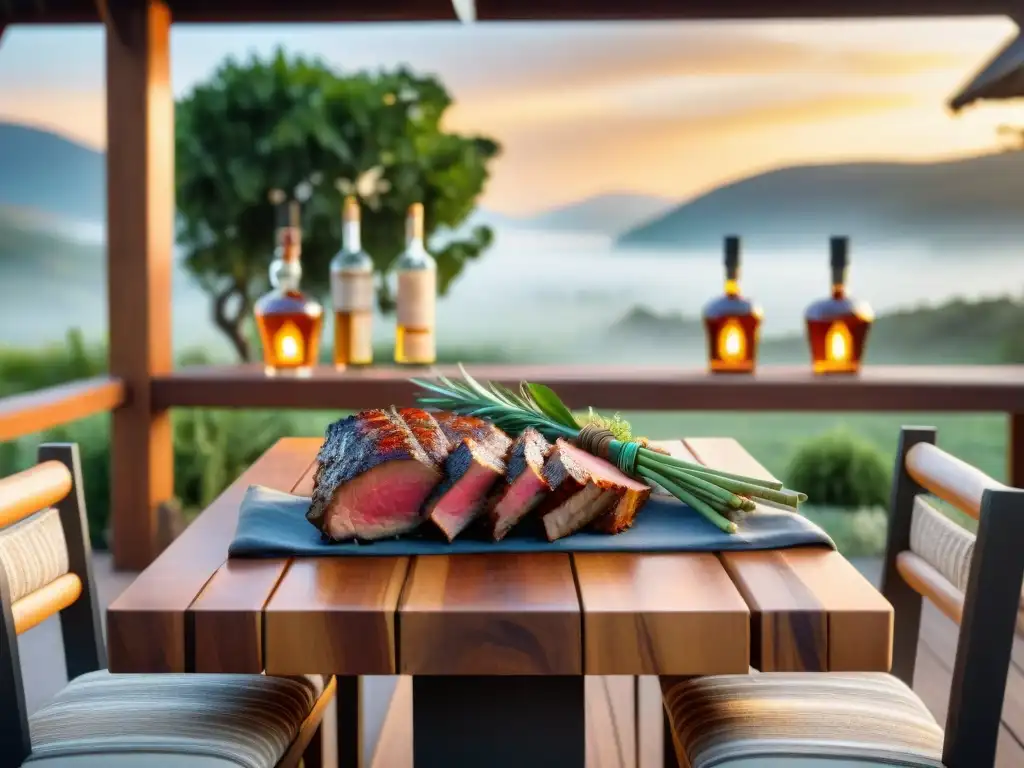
x=259, y=125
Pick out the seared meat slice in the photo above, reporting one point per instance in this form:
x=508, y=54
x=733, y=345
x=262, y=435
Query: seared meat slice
x=470, y=473
x=457, y=428
x=525, y=485
x=376, y=469
x=587, y=488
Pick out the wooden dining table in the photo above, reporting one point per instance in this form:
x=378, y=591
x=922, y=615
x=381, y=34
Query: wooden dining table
x=498, y=644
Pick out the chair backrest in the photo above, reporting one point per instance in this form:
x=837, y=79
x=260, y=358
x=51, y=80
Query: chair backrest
x=45, y=569
x=974, y=579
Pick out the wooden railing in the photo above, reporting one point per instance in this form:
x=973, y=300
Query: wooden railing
x=149, y=470
x=50, y=407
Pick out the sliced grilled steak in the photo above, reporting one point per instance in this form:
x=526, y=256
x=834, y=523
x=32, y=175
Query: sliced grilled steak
x=376, y=469
x=524, y=486
x=457, y=428
x=587, y=488
x=470, y=473
x=630, y=494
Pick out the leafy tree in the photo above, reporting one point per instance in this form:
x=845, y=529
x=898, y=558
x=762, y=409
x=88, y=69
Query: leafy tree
x=286, y=123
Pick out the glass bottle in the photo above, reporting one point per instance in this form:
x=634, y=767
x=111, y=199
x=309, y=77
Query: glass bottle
x=288, y=321
x=415, y=342
x=732, y=323
x=352, y=294
x=837, y=327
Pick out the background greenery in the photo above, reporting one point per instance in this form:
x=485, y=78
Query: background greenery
x=843, y=461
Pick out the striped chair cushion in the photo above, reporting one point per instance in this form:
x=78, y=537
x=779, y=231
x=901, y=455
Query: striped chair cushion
x=247, y=720
x=33, y=552
x=728, y=720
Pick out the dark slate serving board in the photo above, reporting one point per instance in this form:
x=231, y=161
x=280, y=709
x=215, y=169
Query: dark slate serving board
x=273, y=524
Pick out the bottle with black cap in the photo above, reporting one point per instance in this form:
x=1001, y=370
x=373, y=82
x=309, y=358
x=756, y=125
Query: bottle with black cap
x=837, y=327
x=732, y=322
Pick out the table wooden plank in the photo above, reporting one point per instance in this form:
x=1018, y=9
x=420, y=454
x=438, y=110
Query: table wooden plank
x=335, y=615
x=661, y=614
x=146, y=627
x=651, y=614
x=808, y=586
x=516, y=614
x=227, y=616
x=860, y=620
x=789, y=624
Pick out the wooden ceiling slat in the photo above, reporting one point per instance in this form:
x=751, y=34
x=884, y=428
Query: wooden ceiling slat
x=276, y=11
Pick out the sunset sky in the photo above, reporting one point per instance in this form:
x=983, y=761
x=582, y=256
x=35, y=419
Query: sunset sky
x=663, y=108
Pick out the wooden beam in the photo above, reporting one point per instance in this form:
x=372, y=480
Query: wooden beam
x=140, y=209
x=35, y=411
x=955, y=389
x=275, y=11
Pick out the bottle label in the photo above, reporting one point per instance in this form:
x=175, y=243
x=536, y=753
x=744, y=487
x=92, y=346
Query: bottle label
x=352, y=291
x=417, y=298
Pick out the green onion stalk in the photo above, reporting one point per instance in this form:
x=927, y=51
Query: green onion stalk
x=721, y=497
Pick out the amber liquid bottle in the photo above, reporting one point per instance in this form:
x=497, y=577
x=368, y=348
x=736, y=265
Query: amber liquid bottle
x=732, y=323
x=352, y=294
x=837, y=327
x=415, y=342
x=289, y=322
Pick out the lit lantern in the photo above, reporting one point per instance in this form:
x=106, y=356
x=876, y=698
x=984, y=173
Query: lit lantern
x=732, y=322
x=837, y=327
x=289, y=322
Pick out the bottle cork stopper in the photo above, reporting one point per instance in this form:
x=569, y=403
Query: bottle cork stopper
x=414, y=222
x=350, y=209
x=294, y=214
x=291, y=244
x=732, y=257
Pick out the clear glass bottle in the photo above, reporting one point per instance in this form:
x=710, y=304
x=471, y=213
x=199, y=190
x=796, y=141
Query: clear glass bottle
x=837, y=327
x=732, y=323
x=352, y=294
x=416, y=270
x=289, y=322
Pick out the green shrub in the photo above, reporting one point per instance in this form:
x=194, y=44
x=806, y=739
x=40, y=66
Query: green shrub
x=840, y=469
x=856, y=532
x=23, y=370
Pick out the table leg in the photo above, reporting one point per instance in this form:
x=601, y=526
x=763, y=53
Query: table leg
x=349, y=722
x=499, y=722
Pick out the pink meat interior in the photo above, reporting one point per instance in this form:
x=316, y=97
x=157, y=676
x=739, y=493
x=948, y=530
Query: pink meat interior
x=520, y=497
x=385, y=501
x=463, y=501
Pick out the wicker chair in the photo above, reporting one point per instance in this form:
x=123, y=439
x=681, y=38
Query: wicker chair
x=841, y=720
x=102, y=720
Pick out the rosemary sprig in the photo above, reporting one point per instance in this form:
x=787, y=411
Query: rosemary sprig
x=721, y=497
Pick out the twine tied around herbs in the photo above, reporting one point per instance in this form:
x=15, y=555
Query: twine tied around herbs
x=598, y=441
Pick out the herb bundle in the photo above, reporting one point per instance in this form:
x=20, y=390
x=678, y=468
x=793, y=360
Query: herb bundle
x=721, y=497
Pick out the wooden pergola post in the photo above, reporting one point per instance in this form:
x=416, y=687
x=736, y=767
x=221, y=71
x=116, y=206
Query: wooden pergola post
x=140, y=236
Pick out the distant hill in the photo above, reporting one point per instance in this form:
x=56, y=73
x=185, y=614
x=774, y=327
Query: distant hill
x=946, y=205
x=43, y=171
x=609, y=214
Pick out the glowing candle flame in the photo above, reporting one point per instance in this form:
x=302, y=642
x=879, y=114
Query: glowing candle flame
x=838, y=343
x=289, y=345
x=732, y=343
